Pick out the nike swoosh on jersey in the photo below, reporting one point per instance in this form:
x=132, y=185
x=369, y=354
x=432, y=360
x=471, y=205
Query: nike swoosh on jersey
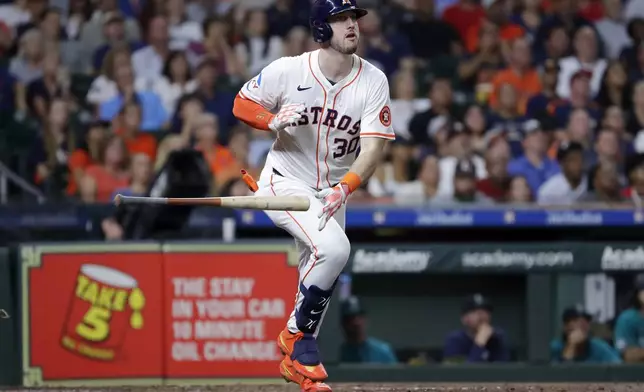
x=300, y=88
x=314, y=312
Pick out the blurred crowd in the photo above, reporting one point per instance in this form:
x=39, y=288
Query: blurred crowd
x=493, y=101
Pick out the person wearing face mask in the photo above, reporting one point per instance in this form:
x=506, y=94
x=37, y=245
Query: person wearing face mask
x=358, y=347
x=478, y=341
x=629, y=327
x=576, y=343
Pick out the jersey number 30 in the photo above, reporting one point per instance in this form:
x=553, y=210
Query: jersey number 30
x=345, y=146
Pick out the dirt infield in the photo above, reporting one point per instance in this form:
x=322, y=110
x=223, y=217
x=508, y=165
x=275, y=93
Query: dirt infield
x=370, y=388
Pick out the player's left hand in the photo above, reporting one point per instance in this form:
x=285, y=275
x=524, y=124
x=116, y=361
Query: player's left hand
x=332, y=199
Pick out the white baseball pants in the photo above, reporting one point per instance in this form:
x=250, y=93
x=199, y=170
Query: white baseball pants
x=323, y=254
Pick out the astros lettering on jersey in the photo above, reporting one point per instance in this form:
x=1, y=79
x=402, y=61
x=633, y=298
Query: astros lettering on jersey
x=321, y=147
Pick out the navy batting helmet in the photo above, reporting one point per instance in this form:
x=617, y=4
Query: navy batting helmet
x=323, y=9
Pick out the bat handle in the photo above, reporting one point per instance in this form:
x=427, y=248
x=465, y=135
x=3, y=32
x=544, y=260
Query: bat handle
x=120, y=199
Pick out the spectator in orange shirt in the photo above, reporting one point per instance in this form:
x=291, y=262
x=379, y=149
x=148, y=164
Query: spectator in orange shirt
x=477, y=69
x=520, y=74
x=136, y=141
x=86, y=155
x=223, y=164
x=463, y=15
x=109, y=174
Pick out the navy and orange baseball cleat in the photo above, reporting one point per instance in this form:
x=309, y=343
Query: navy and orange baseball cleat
x=303, y=352
x=306, y=385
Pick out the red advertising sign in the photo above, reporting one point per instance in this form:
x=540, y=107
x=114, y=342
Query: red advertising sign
x=93, y=314
x=224, y=312
x=127, y=311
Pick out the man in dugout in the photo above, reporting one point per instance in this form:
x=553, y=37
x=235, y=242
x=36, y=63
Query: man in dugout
x=629, y=327
x=478, y=341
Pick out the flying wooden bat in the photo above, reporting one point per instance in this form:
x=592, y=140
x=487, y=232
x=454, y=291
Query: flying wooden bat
x=266, y=203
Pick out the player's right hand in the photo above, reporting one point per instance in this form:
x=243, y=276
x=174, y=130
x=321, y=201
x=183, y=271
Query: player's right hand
x=287, y=116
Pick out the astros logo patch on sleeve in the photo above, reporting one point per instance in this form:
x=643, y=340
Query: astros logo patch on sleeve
x=385, y=116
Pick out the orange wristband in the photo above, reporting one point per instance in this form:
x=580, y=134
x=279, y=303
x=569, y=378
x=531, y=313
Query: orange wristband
x=352, y=180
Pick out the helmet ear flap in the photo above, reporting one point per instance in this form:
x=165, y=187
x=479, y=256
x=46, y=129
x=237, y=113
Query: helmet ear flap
x=321, y=31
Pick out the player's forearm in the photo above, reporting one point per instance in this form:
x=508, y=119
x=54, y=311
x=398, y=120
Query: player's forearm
x=252, y=113
x=371, y=150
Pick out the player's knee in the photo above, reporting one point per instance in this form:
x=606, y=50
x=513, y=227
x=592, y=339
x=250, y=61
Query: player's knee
x=337, y=250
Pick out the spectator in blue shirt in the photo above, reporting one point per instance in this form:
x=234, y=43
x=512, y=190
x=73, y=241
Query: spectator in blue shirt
x=154, y=116
x=478, y=341
x=543, y=104
x=576, y=343
x=358, y=347
x=534, y=165
x=215, y=101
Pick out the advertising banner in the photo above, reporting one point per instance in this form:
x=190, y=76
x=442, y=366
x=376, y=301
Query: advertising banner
x=397, y=216
x=92, y=312
x=555, y=257
x=146, y=313
x=225, y=310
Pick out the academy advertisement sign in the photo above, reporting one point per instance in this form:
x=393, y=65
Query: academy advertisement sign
x=622, y=258
x=391, y=260
x=497, y=258
x=528, y=260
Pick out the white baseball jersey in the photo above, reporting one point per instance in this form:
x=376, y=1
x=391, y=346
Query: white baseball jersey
x=322, y=146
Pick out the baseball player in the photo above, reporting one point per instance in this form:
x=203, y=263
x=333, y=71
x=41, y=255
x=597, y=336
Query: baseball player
x=324, y=106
